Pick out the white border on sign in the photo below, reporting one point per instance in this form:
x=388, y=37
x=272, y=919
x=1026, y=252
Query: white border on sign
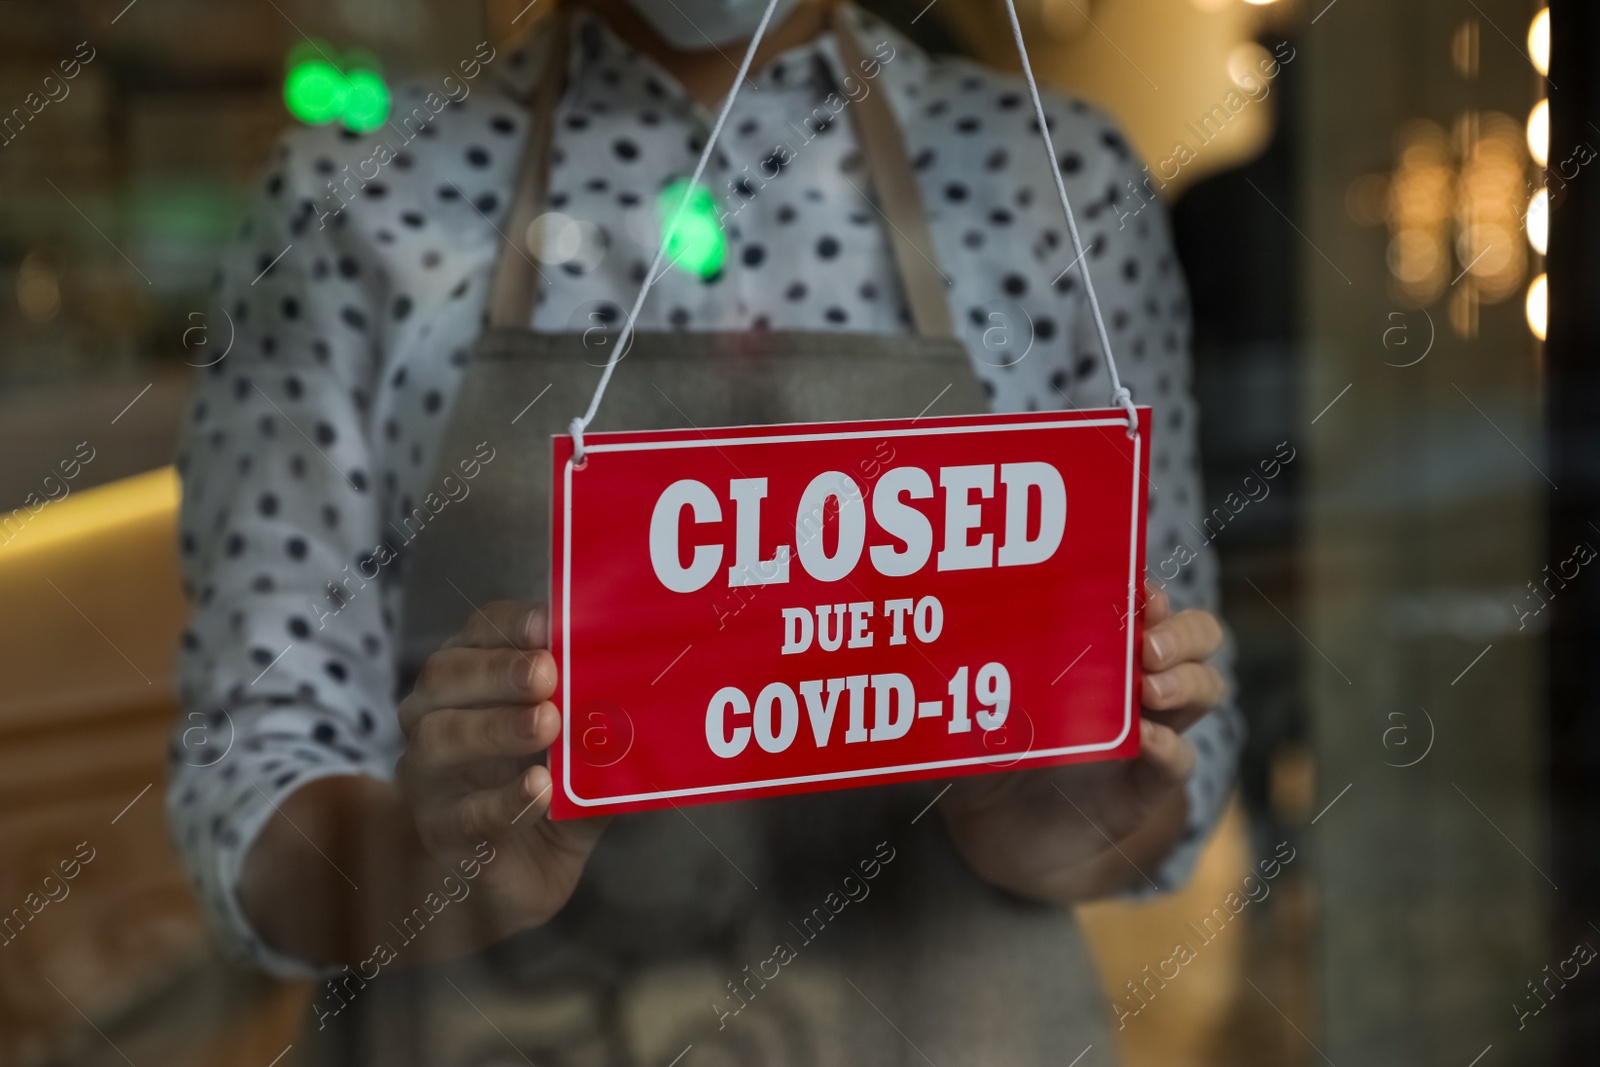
x=1120, y=422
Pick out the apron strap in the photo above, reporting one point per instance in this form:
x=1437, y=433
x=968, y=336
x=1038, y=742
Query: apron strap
x=514, y=287
x=883, y=147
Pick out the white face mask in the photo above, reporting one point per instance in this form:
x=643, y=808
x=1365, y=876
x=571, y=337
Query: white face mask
x=694, y=25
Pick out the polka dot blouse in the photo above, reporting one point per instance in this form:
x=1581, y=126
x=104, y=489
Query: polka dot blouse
x=357, y=285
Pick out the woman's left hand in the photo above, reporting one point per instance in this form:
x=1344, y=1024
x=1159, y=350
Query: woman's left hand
x=1086, y=830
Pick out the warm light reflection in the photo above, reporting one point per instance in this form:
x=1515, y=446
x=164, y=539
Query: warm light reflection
x=1420, y=196
x=1539, y=41
x=1539, y=133
x=1454, y=204
x=1538, y=305
x=1537, y=221
x=1464, y=49
x=1489, y=188
x=90, y=519
x=1245, y=64
x=38, y=289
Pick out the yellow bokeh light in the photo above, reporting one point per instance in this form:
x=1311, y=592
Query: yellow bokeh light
x=1539, y=132
x=1488, y=193
x=1537, y=221
x=1538, y=306
x=1539, y=41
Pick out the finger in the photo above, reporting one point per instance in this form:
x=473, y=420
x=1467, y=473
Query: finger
x=492, y=814
x=1188, y=636
x=1180, y=719
x=504, y=624
x=477, y=678
x=1165, y=761
x=445, y=739
x=1183, y=694
x=1156, y=604
x=486, y=773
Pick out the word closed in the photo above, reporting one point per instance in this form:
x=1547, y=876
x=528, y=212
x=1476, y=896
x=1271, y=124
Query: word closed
x=767, y=610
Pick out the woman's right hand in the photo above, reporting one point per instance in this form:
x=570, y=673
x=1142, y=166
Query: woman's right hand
x=476, y=727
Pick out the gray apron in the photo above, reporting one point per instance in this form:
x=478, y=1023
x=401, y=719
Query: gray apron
x=671, y=944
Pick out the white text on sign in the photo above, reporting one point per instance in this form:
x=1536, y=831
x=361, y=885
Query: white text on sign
x=830, y=629
x=774, y=718
x=910, y=532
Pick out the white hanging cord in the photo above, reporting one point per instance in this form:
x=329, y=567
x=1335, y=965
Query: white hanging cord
x=1119, y=395
x=582, y=422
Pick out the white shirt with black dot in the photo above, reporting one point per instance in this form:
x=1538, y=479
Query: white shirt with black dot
x=355, y=311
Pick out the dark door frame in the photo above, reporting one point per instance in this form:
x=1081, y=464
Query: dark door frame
x=1572, y=398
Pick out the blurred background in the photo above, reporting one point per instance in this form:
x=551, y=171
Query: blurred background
x=1365, y=243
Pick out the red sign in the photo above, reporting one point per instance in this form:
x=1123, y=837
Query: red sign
x=760, y=610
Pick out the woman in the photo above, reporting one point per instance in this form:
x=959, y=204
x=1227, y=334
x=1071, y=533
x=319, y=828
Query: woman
x=356, y=486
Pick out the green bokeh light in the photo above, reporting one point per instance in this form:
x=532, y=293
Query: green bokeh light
x=698, y=244
x=315, y=91
x=367, y=102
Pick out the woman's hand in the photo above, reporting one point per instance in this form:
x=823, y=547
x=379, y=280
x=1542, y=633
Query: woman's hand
x=476, y=726
x=346, y=856
x=1076, y=832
